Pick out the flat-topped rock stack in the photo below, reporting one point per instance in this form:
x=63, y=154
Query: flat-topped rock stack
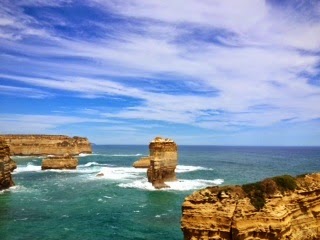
x=59, y=162
x=36, y=145
x=163, y=161
x=143, y=162
x=278, y=208
x=7, y=165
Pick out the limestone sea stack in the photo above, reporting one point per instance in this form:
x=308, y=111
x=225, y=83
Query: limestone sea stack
x=143, y=162
x=163, y=162
x=279, y=208
x=7, y=165
x=59, y=162
x=36, y=145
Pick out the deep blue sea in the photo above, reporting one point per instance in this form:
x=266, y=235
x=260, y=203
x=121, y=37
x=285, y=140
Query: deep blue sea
x=76, y=204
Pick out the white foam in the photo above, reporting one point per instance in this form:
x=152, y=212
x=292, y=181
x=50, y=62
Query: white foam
x=185, y=185
x=180, y=185
x=19, y=188
x=86, y=154
x=139, y=184
x=27, y=168
x=90, y=164
x=121, y=173
x=184, y=168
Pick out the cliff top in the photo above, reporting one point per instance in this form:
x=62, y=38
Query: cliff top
x=258, y=192
x=160, y=139
x=37, y=136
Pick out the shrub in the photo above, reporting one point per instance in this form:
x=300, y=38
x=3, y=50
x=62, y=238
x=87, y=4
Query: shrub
x=269, y=186
x=256, y=194
x=285, y=182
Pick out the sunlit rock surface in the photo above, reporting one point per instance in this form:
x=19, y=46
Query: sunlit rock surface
x=30, y=145
x=228, y=212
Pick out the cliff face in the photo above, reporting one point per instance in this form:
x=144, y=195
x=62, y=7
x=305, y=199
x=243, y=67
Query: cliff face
x=163, y=162
x=29, y=145
x=287, y=210
x=6, y=166
x=59, y=162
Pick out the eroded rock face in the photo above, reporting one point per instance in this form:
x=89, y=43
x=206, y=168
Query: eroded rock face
x=143, y=162
x=163, y=162
x=59, y=162
x=228, y=213
x=30, y=145
x=7, y=165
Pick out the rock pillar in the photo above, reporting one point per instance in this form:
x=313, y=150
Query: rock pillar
x=6, y=166
x=163, y=162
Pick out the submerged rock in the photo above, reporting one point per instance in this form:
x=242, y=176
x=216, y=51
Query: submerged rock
x=255, y=211
x=59, y=162
x=163, y=162
x=7, y=165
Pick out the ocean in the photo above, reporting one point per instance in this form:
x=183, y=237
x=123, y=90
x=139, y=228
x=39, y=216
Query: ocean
x=76, y=204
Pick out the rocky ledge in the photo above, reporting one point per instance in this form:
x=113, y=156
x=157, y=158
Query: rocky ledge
x=163, y=161
x=59, y=162
x=143, y=162
x=277, y=208
x=36, y=145
x=7, y=165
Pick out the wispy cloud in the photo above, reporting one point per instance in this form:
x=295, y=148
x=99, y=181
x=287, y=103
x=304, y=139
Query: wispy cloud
x=24, y=92
x=214, y=61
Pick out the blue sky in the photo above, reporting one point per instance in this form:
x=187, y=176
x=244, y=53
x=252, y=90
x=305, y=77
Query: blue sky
x=198, y=71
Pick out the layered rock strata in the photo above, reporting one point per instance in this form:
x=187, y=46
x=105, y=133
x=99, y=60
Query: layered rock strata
x=273, y=209
x=59, y=162
x=7, y=165
x=35, y=145
x=163, y=162
x=143, y=162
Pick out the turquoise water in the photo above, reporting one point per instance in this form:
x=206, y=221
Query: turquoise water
x=122, y=204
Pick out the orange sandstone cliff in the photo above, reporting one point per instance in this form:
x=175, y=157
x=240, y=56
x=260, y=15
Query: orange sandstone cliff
x=163, y=162
x=279, y=208
x=7, y=165
x=29, y=145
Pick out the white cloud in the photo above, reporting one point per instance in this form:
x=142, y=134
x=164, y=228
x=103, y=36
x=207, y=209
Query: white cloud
x=23, y=92
x=259, y=61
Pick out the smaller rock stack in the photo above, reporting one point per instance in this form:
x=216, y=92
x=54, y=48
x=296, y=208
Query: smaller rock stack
x=163, y=162
x=59, y=162
x=7, y=165
x=143, y=162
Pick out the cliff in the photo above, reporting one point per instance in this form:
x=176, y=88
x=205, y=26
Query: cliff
x=59, y=162
x=6, y=166
x=163, y=161
x=278, y=208
x=30, y=145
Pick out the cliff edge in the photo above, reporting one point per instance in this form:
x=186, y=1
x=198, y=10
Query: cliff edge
x=6, y=166
x=35, y=145
x=277, y=208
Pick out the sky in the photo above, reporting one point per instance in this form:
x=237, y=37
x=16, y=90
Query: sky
x=202, y=72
